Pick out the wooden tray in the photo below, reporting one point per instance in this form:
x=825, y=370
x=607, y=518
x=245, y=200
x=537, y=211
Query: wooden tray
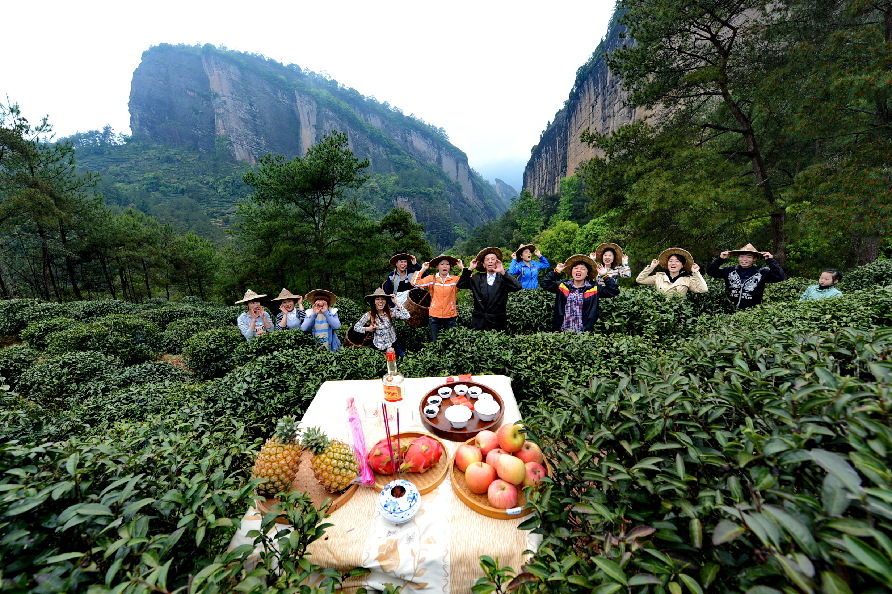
x=441, y=427
x=305, y=481
x=480, y=503
x=425, y=482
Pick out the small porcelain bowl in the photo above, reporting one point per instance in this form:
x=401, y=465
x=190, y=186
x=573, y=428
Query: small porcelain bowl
x=399, y=501
x=475, y=391
x=486, y=409
x=461, y=389
x=445, y=392
x=434, y=400
x=459, y=416
x=486, y=396
x=431, y=411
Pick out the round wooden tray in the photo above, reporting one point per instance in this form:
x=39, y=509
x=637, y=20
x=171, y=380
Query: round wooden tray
x=425, y=482
x=480, y=503
x=441, y=427
x=305, y=481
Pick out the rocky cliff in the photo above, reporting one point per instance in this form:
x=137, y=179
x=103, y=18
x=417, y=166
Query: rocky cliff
x=597, y=102
x=204, y=97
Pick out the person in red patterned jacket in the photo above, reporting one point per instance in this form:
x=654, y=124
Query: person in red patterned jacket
x=576, y=299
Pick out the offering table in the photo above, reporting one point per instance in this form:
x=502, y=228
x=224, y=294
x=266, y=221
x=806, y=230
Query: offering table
x=439, y=549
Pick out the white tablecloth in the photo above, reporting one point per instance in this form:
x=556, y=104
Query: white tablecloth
x=438, y=550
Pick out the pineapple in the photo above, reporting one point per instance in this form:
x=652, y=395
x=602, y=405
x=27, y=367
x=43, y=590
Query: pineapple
x=334, y=463
x=279, y=459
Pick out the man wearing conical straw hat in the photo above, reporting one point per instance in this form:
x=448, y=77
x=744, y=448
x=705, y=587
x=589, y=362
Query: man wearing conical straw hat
x=490, y=288
x=745, y=283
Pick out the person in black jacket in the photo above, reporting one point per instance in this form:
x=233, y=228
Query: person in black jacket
x=490, y=288
x=399, y=280
x=745, y=283
x=576, y=299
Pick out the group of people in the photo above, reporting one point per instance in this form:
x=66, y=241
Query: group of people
x=588, y=279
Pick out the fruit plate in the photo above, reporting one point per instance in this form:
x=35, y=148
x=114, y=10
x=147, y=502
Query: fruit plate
x=425, y=482
x=441, y=427
x=305, y=481
x=480, y=503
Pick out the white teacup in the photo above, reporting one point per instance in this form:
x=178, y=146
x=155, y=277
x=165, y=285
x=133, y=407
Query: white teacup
x=486, y=409
x=431, y=411
x=458, y=416
x=486, y=396
x=475, y=391
x=461, y=389
x=434, y=400
x=445, y=392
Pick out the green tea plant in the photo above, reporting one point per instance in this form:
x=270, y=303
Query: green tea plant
x=211, y=353
x=37, y=333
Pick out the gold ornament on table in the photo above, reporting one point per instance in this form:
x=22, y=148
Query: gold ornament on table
x=279, y=459
x=334, y=463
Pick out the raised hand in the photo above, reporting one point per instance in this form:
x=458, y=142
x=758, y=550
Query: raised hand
x=461, y=265
x=514, y=255
x=602, y=270
x=625, y=260
x=500, y=268
x=654, y=262
x=559, y=268
x=695, y=267
x=473, y=264
x=724, y=255
x=538, y=254
x=767, y=255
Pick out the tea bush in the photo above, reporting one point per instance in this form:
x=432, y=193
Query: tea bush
x=164, y=316
x=90, y=311
x=178, y=332
x=150, y=372
x=788, y=291
x=37, y=333
x=870, y=276
x=271, y=342
x=14, y=360
x=73, y=375
x=129, y=338
x=211, y=353
x=167, y=398
x=15, y=315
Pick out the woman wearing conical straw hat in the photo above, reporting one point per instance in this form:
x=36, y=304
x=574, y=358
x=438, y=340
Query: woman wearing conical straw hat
x=321, y=319
x=682, y=273
x=379, y=319
x=613, y=259
x=745, y=283
x=289, y=317
x=525, y=268
x=254, y=321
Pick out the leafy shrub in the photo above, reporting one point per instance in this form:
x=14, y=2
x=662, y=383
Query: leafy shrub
x=178, y=332
x=211, y=353
x=130, y=338
x=271, y=342
x=14, y=360
x=766, y=473
x=788, y=291
x=37, y=334
x=164, y=316
x=349, y=310
x=151, y=372
x=46, y=311
x=869, y=276
x=15, y=315
x=169, y=398
x=89, y=311
x=530, y=311
x=70, y=375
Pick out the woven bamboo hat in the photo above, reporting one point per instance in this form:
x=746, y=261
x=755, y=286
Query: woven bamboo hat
x=747, y=249
x=482, y=254
x=582, y=259
x=286, y=294
x=676, y=251
x=379, y=292
x=401, y=256
x=453, y=261
x=315, y=294
x=527, y=246
x=618, y=251
x=250, y=296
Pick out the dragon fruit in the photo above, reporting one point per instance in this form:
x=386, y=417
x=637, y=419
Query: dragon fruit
x=382, y=457
x=422, y=455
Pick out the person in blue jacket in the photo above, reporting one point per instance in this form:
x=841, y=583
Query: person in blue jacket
x=321, y=320
x=526, y=269
x=576, y=301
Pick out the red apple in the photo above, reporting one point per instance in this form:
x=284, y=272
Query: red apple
x=487, y=441
x=478, y=476
x=493, y=456
x=466, y=454
x=511, y=437
x=535, y=473
x=511, y=468
x=501, y=494
x=531, y=452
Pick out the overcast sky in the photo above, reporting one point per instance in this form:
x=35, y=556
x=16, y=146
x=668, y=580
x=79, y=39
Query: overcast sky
x=491, y=73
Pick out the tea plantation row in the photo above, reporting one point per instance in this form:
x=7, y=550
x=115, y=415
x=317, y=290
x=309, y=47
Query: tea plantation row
x=694, y=448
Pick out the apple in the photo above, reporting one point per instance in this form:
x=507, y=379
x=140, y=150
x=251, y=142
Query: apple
x=487, y=441
x=466, y=454
x=501, y=494
x=493, y=456
x=535, y=473
x=511, y=437
x=530, y=452
x=478, y=476
x=511, y=468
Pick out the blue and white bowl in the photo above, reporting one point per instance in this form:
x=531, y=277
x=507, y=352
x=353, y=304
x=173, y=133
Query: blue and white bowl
x=399, y=507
